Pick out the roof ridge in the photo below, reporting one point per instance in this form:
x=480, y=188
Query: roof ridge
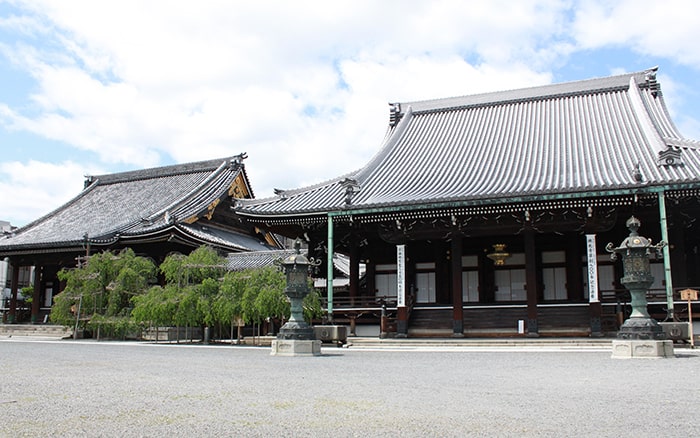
x=682, y=142
x=548, y=91
x=259, y=252
x=161, y=171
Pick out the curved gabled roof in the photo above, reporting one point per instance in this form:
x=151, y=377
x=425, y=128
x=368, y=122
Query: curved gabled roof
x=586, y=136
x=136, y=204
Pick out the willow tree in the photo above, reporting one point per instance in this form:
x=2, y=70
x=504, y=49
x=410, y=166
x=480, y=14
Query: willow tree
x=156, y=308
x=227, y=305
x=102, y=288
x=192, y=285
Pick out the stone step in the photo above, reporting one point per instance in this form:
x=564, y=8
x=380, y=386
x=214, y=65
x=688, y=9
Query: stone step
x=481, y=342
x=35, y=330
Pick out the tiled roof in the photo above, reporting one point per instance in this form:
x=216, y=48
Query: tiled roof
x=134, y=204
x=259, y=259
x=587, y=136
x=209, y=235
x=256, y=259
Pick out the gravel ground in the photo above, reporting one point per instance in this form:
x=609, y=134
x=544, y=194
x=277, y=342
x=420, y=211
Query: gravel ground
x=84, y=388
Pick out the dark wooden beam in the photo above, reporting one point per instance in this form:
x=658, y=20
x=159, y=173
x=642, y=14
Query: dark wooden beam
x=456, y=265
x=532, y=283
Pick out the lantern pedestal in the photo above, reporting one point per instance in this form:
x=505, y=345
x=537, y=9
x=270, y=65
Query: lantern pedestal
x=641, y=337
x=641, y=329
x=642, y=349
x=296, y=338
x=296, y=347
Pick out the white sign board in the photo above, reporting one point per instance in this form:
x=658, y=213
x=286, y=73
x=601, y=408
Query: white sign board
x=401, y=275
x=592, y=269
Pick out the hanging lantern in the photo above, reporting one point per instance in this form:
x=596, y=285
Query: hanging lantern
x=499, y=254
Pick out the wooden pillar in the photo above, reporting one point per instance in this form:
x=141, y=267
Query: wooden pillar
x=12, y=314
x=36, y=296
x=402, y=322
x=456, y=264
x=531, y=279
x=370, y=273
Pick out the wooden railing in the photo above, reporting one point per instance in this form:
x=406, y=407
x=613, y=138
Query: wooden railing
x=653, y=295
x=361, y=303
x=384, y=307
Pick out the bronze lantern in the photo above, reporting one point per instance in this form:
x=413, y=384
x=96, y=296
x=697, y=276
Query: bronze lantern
x=296, y=270
x=635, y=251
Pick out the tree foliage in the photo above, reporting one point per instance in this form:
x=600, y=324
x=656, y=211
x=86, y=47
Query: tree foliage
x=263, y=295
x=312, y=306
x=157, y=306
x=102, y=286
x=200, y=264
x=116, y=297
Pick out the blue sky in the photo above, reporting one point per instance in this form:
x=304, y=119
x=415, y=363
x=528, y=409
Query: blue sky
x=93, y=87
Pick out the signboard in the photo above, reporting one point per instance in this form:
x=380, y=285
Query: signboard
x=592, y=257
x=401, y=275
x=689, y=294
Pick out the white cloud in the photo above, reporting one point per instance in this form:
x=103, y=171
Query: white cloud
x=138, y=81
x=665, y=29
x=676, y=95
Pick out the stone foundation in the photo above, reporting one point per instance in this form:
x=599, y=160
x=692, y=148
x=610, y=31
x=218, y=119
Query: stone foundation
x=295, y=347
x=642, y=349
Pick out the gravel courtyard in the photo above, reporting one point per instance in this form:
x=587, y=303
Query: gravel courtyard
x=84, y=388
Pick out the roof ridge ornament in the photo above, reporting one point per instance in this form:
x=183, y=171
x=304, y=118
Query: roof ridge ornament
x=394, y=113
x=652, y=84
x=637, y=173
x=237, y=160
x=670, y=157
x=351, y=187
x=281, y=193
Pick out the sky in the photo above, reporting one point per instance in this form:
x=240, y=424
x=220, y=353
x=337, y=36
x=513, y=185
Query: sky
x=303, y=87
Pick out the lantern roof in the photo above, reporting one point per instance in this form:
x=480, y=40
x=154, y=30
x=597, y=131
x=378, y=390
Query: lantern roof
x=297, y=258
